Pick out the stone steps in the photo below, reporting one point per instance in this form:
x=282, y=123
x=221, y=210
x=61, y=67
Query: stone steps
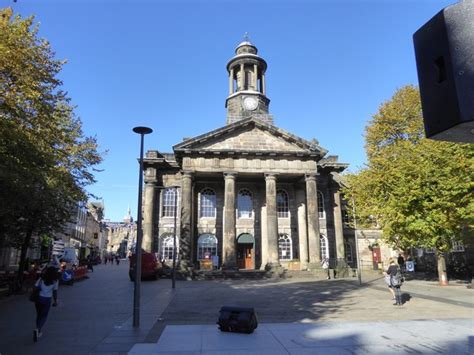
x=232, y=274
x=298, y=274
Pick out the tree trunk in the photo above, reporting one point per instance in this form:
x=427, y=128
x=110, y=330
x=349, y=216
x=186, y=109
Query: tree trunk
x=24, y=250
x=442, y=274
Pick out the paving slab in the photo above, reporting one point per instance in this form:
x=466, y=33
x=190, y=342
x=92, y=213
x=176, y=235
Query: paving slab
x=381, y=337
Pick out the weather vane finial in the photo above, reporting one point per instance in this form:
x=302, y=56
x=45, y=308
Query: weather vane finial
x=246, y=37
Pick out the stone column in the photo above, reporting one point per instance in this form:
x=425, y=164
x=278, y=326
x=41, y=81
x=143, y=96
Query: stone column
x=231, y=81
x=186, y=236
x=255, y=76
x=228, y=241
x=148, y=209
x=272, y=220
x=302, y=230
x=263, y=83
x=338, y=228
x=242, y=74
x=313, y=219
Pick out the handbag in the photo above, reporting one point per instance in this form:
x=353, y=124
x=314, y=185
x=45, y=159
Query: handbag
x=35, y=294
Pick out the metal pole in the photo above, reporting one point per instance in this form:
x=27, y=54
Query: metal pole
x=138, y=245
x=359, y=275
x=173, y=279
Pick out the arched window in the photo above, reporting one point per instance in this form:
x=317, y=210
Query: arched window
x=208, y=203
x=282, y=204
x=320, y=204
x=166, y=247
x=207, y=246
x=323, y=240
x=170, y=199
x=348, y=250
x=285, y=247
x=244, y=204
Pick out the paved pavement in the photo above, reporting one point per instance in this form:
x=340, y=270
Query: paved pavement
x=382, y=337
x=300, y=316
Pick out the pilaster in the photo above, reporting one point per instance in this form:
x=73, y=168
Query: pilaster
x=148, y=209
x=186, y=238
x=302, y=229
x=272, y=220
x=338, y=228
x=228, y=241
x=313, y=219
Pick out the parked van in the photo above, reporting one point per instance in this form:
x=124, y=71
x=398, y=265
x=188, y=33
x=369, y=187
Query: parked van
x=151, y=267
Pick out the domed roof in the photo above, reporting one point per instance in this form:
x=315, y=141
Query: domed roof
x=246, y=46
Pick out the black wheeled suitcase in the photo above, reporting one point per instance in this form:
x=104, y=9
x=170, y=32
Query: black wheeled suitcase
x=237, y=319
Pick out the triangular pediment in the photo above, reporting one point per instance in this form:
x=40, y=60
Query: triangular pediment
x=252, y=139
x=249, y=136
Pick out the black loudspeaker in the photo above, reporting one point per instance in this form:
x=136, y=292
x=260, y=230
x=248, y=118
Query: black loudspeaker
x=237, y=319
x=444, y=50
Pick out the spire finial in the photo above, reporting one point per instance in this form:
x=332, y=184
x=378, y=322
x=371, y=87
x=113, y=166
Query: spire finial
x=246, y=37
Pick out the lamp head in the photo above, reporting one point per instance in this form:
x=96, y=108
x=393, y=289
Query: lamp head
x=142, y=130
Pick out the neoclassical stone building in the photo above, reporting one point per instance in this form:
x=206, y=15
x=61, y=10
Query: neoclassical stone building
x=247, y=195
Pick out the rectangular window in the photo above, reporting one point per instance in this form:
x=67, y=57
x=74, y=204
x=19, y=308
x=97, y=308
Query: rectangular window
x=169, y=202
x=458, y=247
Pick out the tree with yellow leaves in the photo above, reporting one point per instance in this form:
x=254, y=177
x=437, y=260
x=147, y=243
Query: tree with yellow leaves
x=420, y=191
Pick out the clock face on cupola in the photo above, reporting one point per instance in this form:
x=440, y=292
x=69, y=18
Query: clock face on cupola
x=249, y=103
x=247, y=96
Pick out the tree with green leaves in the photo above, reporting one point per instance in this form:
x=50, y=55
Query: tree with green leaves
x=419, y=191
x=46, y=162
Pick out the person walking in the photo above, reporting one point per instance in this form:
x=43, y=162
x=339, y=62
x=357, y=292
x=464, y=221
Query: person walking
x=325, y=266
x=393, y=278
x=47, y=285
x=117, y=259
x=90, y=265
x=401, y=261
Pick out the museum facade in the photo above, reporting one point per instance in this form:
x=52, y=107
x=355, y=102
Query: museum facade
x=247, y=195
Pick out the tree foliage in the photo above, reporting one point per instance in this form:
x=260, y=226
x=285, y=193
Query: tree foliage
x=420, y=191
x=45, y=159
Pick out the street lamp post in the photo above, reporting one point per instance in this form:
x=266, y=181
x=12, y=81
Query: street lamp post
x=359, y=276
x=138, y=245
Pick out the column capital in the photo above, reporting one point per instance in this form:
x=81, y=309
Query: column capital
x=230, y=175
x=270, y=176
x=150, y=175
x=187, y=174
x=309, y=177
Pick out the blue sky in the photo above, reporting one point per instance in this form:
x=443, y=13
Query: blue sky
x=162, y=64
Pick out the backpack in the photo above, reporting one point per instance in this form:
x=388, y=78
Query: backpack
x=397, y=279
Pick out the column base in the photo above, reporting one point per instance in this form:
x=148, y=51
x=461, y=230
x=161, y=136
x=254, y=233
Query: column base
x=274, y=268
x=184, y=270
x=229, y=267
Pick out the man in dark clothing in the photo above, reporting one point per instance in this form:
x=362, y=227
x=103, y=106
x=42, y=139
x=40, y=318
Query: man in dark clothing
x=400, y=261
x=89, y=264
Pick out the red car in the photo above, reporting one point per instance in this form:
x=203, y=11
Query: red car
x=151, y=267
